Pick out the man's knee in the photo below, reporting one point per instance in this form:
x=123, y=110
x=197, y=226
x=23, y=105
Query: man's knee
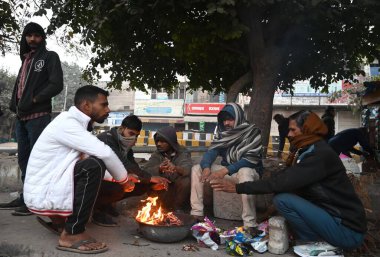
x=281, y=200
x=94, y=164
x=183, y=183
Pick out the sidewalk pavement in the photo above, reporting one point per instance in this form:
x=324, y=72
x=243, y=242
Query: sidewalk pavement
x=24, y=236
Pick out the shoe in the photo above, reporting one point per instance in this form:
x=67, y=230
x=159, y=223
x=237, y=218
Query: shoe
x=22, y=211
x=11, y=205
x=112, y=211
x=253, y=231
x=317, y=249
x=102, y=219
x=197, y=218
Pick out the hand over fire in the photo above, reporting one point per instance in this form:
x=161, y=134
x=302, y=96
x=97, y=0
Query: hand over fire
x=130, y=184
x=160, y=183
x=225, y=185
x=167, y=166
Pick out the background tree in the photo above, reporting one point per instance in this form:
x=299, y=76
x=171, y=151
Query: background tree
x=72, y=79
x=249, y=46
x=7, y=81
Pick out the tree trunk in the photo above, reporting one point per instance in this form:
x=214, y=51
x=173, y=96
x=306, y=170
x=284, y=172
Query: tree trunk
x=238, y=86
x=261, y=105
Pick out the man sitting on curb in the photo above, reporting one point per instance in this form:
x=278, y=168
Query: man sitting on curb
x=121, y=140
x=239, y=144
x=62, y=185
x=314, y=193
x=173, y=162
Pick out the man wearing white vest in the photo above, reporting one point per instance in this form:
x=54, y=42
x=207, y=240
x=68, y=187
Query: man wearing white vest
x=66, y=167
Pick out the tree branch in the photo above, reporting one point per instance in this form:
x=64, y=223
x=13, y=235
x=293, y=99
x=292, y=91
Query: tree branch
x=238, y=85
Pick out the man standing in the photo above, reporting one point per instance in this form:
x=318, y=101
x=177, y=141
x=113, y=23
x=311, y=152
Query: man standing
x=66, y=168
x=172, y=162
x=121, y=140
x=328, y=119
x=283, y=129
x=239, y=145
x=39, y=80
x=314, y=193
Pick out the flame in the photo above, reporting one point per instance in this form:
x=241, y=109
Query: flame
x=150, y=214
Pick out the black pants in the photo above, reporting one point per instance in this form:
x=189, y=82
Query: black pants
x=88, y=175
x=176, y=198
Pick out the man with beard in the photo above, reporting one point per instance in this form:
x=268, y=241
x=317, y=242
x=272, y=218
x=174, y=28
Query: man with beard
x=314, y=193
x=173, y=162
x=239, y=145
x=39, y=80
x=121, y=140
x=66, y=168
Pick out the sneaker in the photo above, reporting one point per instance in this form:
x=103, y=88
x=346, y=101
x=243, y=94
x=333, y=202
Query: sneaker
x=11, y=205
x=318, y=249
x=22, y=211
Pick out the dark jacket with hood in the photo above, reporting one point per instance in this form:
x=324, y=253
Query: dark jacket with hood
x=43, y=81
x=111, y=139
x=181, y=156
x=320, y=177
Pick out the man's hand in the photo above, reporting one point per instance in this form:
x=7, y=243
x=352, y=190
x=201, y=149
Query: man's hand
x=225, y=185
x=160, y=183
x=133, y=178
x=167, y=167
x=128, y=186
x=219, y=174
x=205, y=174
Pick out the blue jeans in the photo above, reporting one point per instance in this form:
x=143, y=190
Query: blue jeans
x=27, y=133
x=312, y=223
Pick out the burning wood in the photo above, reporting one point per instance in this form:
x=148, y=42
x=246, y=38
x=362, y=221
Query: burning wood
x=153, y=214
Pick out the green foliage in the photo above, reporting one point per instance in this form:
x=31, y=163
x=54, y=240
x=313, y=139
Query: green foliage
x=8, y=26
x=214, y=43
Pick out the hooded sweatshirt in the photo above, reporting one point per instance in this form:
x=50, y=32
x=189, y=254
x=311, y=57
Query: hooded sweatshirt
x=43, y=78
x=180, y=157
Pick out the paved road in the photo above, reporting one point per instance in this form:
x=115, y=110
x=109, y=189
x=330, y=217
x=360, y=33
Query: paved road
x=24, y=236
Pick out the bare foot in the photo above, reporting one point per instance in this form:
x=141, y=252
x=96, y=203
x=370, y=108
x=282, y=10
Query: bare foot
x=67, y=240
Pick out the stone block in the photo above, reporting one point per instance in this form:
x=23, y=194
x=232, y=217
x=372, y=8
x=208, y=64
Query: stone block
x=227, y=205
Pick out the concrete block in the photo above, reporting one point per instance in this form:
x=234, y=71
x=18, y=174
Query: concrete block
x=227, y=205
x=10, y=175
x=278, y=235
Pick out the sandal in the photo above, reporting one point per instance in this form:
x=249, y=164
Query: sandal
x=75, y=247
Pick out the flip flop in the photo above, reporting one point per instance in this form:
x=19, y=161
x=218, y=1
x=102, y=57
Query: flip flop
x=74, y=247
x=49, y=225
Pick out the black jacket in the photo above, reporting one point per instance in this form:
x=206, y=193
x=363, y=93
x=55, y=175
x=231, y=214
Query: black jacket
x=328, y=119
x=320, y=177
x=44, y=81
x=110, y=138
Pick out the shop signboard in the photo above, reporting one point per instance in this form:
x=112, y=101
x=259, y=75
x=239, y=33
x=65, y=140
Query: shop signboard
x=115, y=118
x=159, y=108
x=203, y=108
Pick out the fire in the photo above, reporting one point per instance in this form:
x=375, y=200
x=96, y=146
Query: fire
x=154, y=215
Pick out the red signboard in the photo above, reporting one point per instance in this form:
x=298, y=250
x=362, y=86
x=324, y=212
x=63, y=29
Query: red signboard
x=204, y=108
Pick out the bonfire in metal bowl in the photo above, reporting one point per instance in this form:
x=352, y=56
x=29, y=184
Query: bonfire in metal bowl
x=153, y=214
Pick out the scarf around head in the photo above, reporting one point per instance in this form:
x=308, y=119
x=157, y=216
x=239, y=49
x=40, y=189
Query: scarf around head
x=241, y=142
x=313, y=130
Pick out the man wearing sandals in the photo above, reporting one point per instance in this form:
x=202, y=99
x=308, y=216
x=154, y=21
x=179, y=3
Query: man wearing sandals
x=66, y=168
